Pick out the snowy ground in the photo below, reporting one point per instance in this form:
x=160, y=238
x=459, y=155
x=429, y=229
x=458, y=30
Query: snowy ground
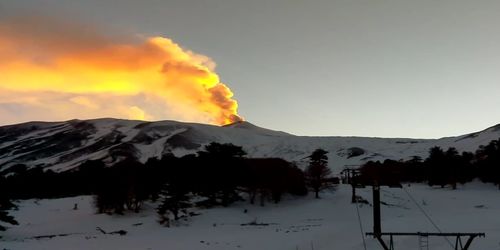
x=303, y=223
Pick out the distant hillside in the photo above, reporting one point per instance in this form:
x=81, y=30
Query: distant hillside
x=63, y=145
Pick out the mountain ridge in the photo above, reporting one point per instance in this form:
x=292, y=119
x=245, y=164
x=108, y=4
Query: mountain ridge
x=64, y=145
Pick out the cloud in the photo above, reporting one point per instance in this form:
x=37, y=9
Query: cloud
x=72, y=71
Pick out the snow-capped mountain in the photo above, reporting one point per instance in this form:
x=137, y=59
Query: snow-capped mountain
x=63, y=145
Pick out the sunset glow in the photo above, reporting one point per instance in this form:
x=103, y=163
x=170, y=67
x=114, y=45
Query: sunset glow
x=87, y=76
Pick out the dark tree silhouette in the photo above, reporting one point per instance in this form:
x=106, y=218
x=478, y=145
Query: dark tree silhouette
x=448, y=167
x=220, y=166
x=271, y=178
x=121, y=186
x=452, y=168
x=175, y=201
x=488, y=162
x=436, y=167
x=4, y=215
x=224, y=150
x=317, y=172
x=5, y=205
x=440, y=168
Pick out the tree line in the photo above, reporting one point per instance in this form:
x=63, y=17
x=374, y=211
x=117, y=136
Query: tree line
x=443, y=167
x=218, y=175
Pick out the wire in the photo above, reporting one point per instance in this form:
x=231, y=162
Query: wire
x=428, y=217
x=361, y=225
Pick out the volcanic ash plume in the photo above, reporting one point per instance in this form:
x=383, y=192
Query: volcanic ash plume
x=54, y=71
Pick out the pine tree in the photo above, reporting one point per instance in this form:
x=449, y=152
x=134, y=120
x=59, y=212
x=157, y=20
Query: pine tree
x=452, y=166
x=174, y=201
x=488, y=162
x=436, y=167
x=5, y=205
x=318, y=172
x=221, y=170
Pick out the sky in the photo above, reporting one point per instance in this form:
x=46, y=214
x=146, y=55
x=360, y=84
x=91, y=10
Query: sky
x=387, y=68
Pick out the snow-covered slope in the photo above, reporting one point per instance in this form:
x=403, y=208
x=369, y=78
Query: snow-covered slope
x=307, y=223
x=63, y=145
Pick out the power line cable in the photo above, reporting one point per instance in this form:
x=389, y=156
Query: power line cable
x=428, y=217
x=361, y=226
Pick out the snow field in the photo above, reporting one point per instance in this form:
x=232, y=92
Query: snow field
x=296, y=223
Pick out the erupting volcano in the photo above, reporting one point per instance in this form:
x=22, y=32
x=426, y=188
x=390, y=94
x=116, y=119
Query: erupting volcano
x=54, y=70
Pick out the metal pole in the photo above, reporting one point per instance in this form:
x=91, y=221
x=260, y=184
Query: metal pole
x=377, y=228
x=353, y=198
x=469, y=241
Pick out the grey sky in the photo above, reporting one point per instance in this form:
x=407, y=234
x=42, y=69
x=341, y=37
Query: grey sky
x=369, y=68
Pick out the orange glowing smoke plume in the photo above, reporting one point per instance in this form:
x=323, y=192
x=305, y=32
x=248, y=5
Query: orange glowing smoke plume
x=54, y=71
